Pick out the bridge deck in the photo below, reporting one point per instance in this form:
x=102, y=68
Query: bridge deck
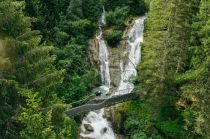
x=93, y=105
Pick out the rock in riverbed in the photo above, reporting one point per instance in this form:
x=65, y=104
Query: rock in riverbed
x=88, y=127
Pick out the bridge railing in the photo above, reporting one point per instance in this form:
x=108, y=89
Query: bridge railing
x=105, y=96
x=104, y=103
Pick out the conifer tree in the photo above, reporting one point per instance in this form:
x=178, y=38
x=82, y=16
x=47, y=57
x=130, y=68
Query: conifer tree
x=28, y=79
x=196, y=81
x=165, y=57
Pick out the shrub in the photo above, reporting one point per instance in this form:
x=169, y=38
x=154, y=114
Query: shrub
x=116, y=16
x=136, y=7
x=113, y=38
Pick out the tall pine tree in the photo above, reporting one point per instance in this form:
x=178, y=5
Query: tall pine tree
x=196, y=81
x=165, y=57
x=28, y=80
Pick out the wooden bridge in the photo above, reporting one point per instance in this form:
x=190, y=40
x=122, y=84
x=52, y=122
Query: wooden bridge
x=95, y=105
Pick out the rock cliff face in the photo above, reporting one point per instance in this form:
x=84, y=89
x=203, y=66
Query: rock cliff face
x=93, y=52
x=115, y=56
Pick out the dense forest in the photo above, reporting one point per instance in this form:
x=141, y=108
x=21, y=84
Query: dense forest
x=44, y=67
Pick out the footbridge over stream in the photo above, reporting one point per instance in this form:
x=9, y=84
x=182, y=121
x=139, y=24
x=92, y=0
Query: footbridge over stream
x=102, y=103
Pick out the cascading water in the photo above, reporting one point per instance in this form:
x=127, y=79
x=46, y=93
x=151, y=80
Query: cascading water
x=104, y=60
x=100, y=126
x=102, y=21
x=128, y=69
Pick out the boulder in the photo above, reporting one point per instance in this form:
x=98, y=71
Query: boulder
x=104, y=130
x=80, y=137
x=88, y=127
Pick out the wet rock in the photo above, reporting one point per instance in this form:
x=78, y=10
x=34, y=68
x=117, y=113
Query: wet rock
x=80, y=137
x=88, y=127
x=107, y=114
x=115, y=56
x=114, y=64
x=119, y=137
x=104, y=130
x=93, y=52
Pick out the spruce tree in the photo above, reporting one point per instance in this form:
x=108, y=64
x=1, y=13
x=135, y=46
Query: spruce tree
x=165, y=57
x=28, y=79
x=196, y=81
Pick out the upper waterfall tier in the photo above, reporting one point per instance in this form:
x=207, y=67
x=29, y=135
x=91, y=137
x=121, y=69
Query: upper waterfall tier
x=133, y=54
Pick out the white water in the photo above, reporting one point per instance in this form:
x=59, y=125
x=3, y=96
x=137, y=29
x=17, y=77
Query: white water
x=104, y=61
x=100, y=125
x=133, y=50
x=102, y=21
x=102, y=128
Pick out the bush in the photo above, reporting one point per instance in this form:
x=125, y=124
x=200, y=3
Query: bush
x=120, y=25
x=116, y=16
x=172, y=129
x=82, y=26
x=113, y=38
x=136, y=7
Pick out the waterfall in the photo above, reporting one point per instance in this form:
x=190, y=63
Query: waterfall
x=100, y=127
x=133, y=52
x=95, y=119
x=102, y=21
x=104, y=61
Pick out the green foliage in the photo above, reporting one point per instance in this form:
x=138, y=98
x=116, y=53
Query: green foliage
x=9, y=99
x=69, y=25
x=80, y=78
x=72, y=34
x=117, y=16
x=74, y=10
x=140, y=135
x=92, y=9
x=137, y=7
x=172, y=129
x=36, y=66
x=28, y=79
x=84, y=9
x=35, y=123
x=47, y=14
x=12, y=19
x=60, y=37
x=113, y=38
x=43, y=123
x=116, y=19
x=64, y=126
x=137, y=120
x=195, y=82
x=171, y=91
x=118, y=12
x=83, y=26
